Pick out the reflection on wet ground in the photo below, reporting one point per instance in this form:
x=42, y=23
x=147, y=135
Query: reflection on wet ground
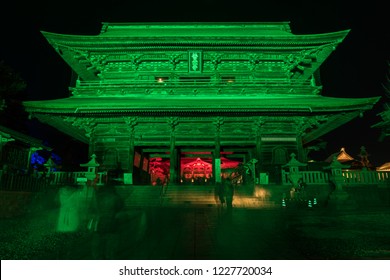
x=211, y=233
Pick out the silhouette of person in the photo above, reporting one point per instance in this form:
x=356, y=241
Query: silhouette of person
x=219, y=193
x=229, y=193
x=108, y=205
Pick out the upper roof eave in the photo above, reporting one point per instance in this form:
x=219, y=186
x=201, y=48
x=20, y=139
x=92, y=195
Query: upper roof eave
x=183, y=37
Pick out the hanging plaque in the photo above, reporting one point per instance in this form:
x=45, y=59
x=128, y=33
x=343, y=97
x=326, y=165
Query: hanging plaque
x=195, y=61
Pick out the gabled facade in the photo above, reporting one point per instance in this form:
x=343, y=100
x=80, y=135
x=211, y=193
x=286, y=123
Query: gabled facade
x=173, y=90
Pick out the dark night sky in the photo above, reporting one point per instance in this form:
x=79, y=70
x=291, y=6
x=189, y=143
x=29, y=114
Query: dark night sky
x=356, y=69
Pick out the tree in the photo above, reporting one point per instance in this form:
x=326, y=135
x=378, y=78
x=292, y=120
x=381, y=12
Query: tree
x=11, y=88
x=384, y=125
x=386, y=84
x=11, y=83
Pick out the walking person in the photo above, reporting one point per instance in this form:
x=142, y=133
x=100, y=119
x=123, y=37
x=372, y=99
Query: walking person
x=229, y=193
x=219, y=194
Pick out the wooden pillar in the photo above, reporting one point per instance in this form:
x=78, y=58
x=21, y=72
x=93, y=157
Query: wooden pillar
x=90, y=133
x=300, y=150
x=213, y=165
x=91, y=146
x=173, y=166
x=217, y=159
x=178, y=164
x=131, y=160
x=218, y=123
x=258, y=153
x=131, y=122
x=141, y=169
x=173, y=160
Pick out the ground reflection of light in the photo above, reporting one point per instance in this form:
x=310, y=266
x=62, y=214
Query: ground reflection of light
x=260, y=192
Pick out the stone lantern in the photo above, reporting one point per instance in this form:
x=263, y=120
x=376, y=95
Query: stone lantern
x=336, y=173
x=92, y=168
x=50, y=165
x=294, y=174
x=338, y=196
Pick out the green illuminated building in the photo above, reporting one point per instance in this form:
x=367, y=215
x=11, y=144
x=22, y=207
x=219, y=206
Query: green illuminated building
x=175, y=91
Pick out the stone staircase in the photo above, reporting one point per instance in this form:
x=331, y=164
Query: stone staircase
x=187, y=196
x=203, y=196
x=140, y=196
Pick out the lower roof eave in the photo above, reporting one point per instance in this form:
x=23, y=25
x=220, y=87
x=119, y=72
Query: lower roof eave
x=112, y=112
x=131, y=106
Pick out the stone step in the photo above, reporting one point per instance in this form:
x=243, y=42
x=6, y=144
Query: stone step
x=186, y=196
x=136, y=196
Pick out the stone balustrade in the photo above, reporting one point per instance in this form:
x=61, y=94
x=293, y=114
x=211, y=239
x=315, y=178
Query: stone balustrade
x=351, y=177
x=365, y=177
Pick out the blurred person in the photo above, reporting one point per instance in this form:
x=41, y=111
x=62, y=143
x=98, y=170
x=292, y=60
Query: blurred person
x=107, y=205
x=219, y=195
x=229, y=193
x=69, y=211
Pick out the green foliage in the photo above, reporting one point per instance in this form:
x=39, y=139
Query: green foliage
x=386, y=84
x=11, y=83
x=12, y=86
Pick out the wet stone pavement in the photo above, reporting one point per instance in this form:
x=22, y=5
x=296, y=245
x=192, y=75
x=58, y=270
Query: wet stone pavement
x=173, y=233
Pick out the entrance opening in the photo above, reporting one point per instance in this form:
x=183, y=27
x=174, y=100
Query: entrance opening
x=196, y=168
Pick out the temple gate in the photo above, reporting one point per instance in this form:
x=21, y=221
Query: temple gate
x=148, y=94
